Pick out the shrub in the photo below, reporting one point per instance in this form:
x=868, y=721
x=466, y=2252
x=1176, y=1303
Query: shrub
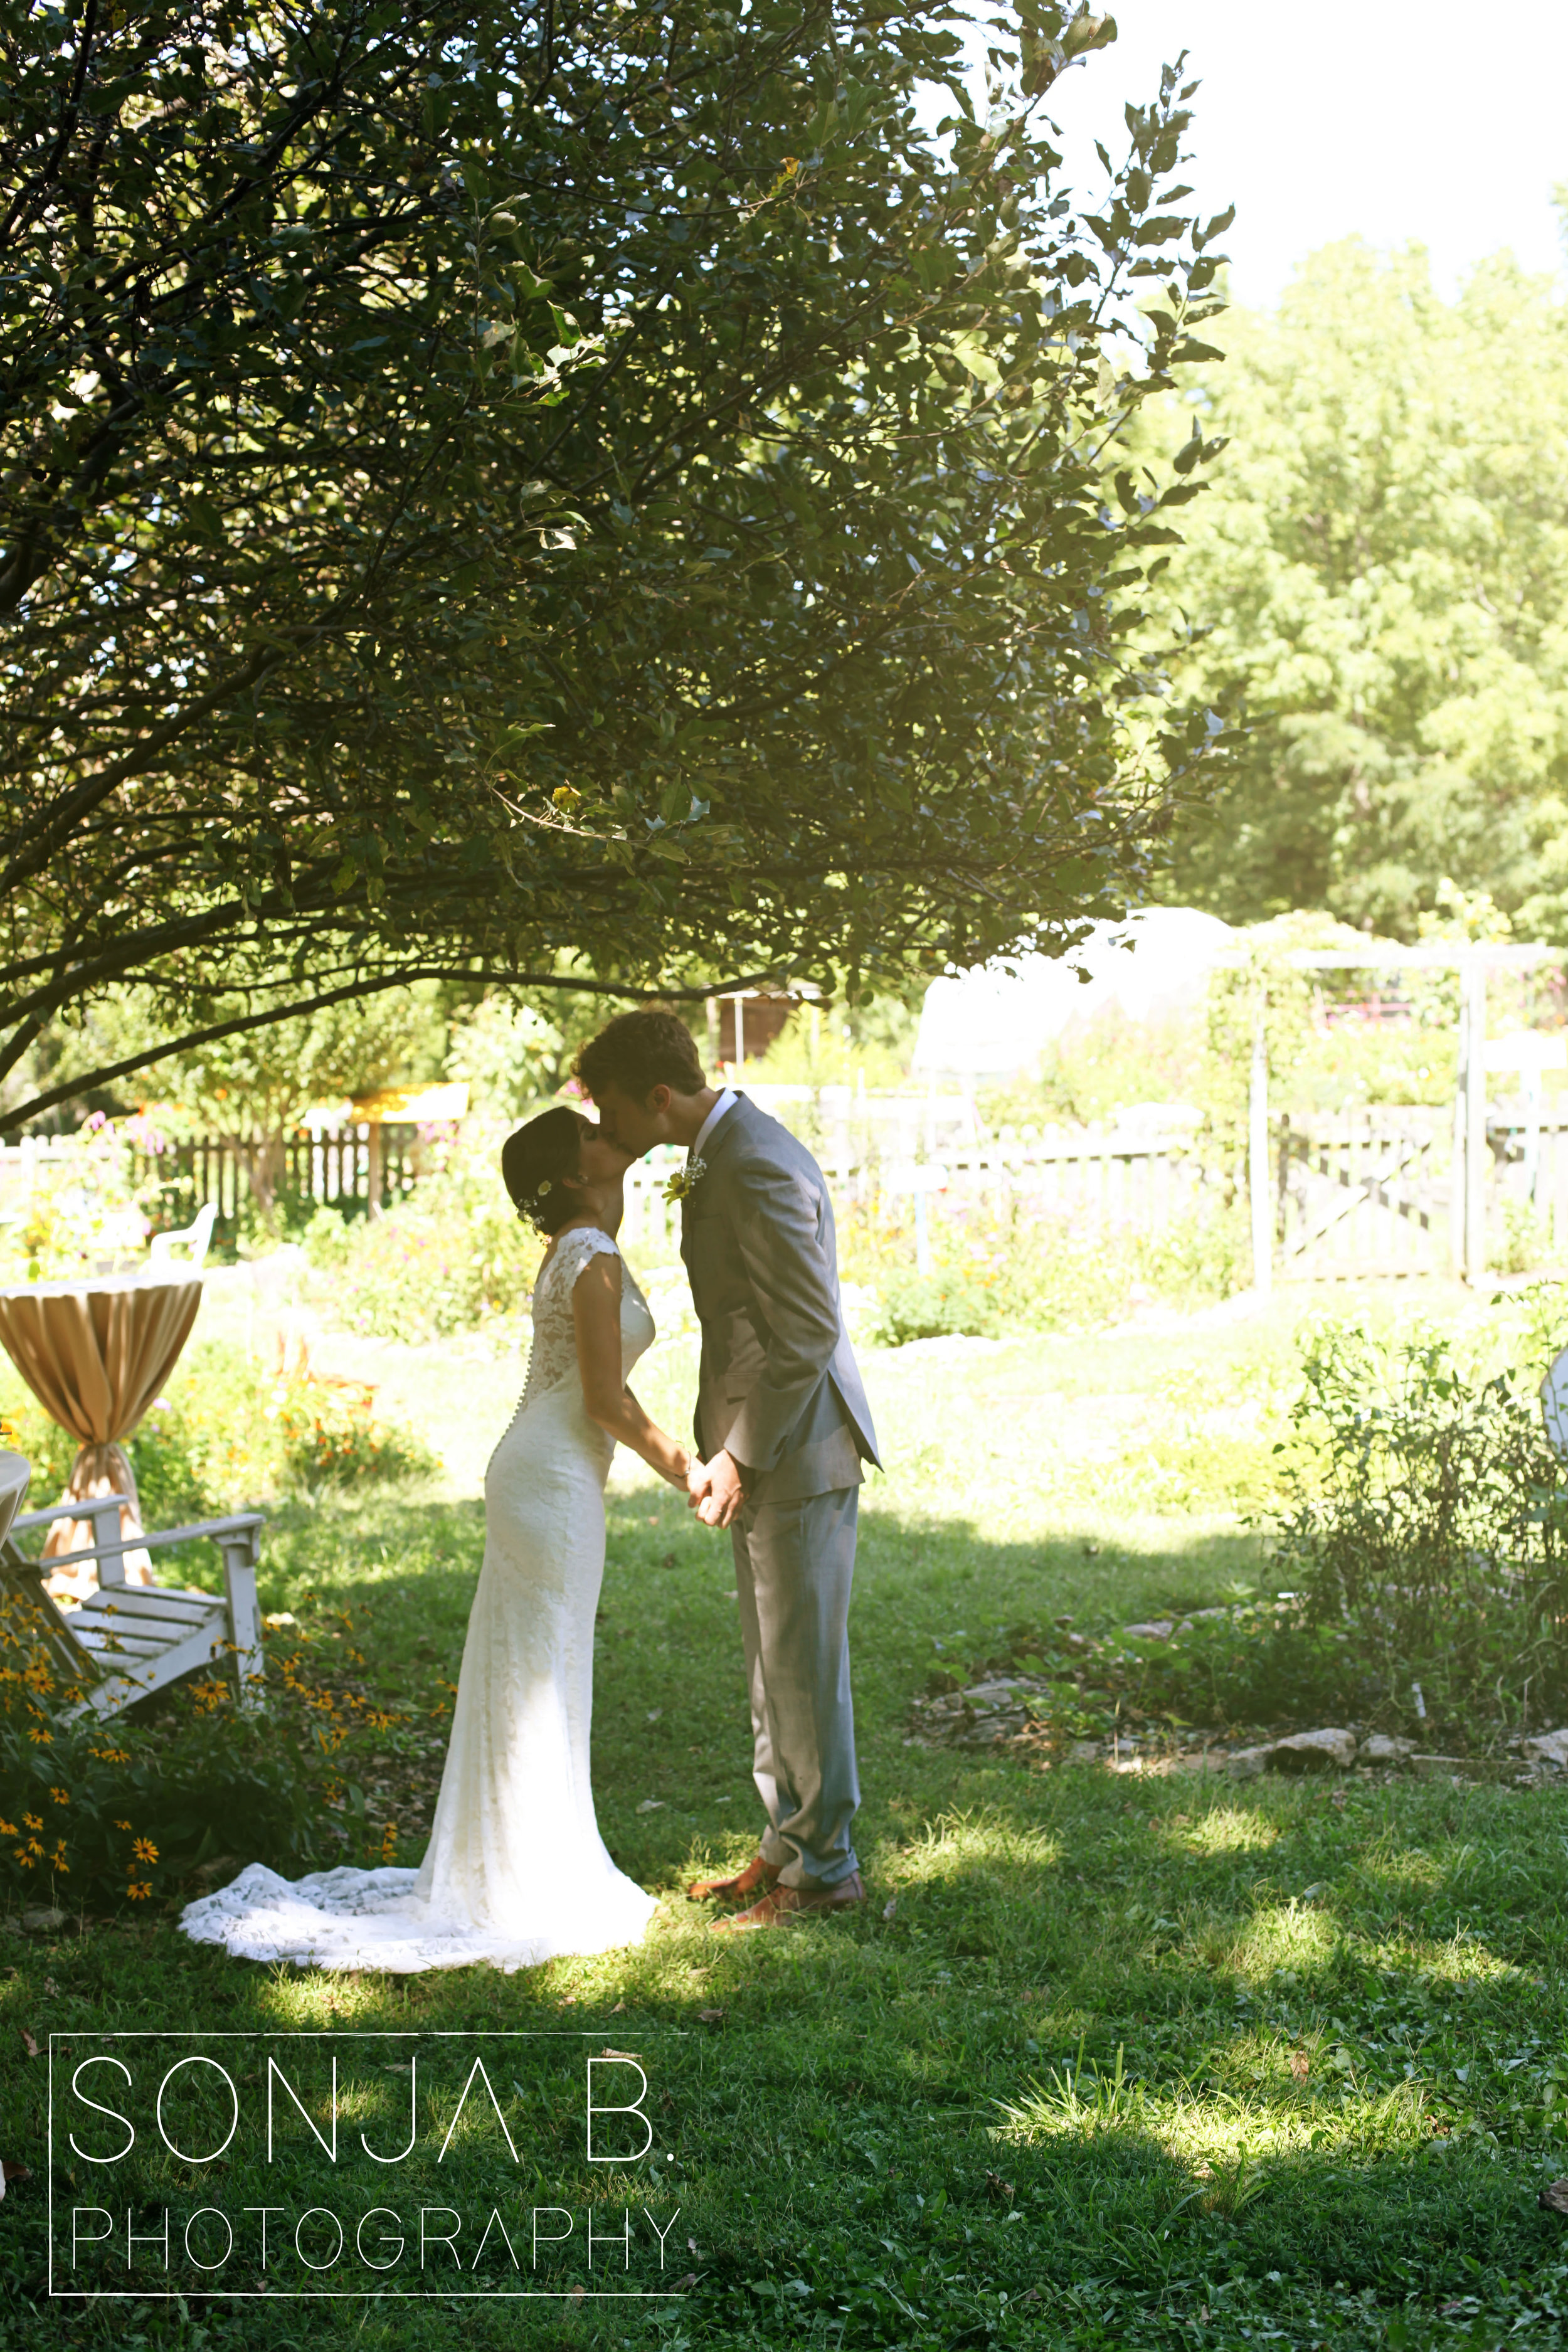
x=228, y=1434
x=1524, y=1241
x=452, y=1256
x=101, y=1814
x=1019, y=1272
x=1421, y=1543
x=928, y=1306
x=1428, y=1535
x=331, y=1436
x=86, y=1205
x=104, y=1813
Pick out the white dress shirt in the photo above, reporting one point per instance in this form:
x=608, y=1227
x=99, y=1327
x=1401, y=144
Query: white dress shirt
x=725, y=1102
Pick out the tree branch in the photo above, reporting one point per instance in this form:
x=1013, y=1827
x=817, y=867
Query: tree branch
x=97, y=789
x=73, y=1087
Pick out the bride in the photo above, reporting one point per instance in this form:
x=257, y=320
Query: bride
x=516, y=1871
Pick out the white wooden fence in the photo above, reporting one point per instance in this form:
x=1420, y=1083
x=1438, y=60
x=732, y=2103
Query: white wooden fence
x=1348, y=1196
x=1344, y=1196
x=1090, y=1179
x=1383, y=1192
x=355, y=1162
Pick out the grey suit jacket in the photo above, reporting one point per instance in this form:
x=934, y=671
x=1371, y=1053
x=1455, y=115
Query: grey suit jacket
x=778, y=1387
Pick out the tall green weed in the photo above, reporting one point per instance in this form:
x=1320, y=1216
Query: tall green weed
x=1427, y=1533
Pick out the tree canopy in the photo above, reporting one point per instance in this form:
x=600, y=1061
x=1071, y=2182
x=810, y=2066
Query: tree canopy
x=599, y=491
x=1381, y=569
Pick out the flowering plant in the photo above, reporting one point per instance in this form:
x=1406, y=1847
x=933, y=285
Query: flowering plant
x=86, y=1211
x=94, y=1817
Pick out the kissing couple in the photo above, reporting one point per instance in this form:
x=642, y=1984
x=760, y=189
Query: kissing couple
x=516, y=1871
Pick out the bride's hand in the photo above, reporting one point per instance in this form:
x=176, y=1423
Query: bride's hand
x=699, y=1482
x=724, y=1497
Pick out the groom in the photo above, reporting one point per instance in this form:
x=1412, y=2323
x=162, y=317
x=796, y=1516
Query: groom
x=782, y=1426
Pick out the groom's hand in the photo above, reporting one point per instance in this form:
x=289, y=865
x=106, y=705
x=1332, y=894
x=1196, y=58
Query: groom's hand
x=721, y=1502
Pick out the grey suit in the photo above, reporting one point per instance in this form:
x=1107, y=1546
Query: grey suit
x=779, y=1389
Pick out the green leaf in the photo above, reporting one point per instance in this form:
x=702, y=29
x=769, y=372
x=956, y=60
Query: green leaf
x=1084, y=33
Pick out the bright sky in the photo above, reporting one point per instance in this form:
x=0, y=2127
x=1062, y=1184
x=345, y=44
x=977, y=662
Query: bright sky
x=1396, y=119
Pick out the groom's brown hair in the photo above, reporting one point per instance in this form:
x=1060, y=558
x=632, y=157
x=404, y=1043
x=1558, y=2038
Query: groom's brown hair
x=639, y=1051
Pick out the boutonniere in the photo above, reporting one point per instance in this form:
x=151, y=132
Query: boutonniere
x=685, y=1180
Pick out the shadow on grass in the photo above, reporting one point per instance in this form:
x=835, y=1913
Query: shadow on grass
x=1332, y=2083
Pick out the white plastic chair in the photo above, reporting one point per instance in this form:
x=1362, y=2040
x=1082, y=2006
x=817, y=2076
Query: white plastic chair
x=196, y=1237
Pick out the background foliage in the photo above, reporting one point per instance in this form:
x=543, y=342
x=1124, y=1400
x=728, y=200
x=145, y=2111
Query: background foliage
x=454, y=1256
x=232, y=1432
x=1382, y=571
x=588, y=486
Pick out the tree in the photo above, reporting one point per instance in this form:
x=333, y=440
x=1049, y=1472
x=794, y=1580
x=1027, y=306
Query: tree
x=510, y=1054
x=601, y=494
x=253, y=1089
x=1381, y=570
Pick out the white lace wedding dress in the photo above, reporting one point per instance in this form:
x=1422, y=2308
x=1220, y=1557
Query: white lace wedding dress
x=516, y=1871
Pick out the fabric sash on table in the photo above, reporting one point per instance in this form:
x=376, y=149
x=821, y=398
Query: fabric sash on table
x=95, y=1354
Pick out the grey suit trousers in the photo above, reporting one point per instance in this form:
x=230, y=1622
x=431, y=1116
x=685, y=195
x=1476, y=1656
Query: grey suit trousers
x=793, y=1565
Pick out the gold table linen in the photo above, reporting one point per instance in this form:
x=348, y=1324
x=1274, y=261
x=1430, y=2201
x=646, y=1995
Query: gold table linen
x=95, y=1353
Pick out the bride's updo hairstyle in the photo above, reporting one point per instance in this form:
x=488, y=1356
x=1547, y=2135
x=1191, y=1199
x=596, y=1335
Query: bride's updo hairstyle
x=533, y=1160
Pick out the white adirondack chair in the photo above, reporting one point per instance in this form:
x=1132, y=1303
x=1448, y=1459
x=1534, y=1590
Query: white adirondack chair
x=128, y=1640
x=14, y=1472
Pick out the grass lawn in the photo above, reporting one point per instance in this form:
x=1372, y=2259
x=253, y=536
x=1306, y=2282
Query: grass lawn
x=1106, y=2061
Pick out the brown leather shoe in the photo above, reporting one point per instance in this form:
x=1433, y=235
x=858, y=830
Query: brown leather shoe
x=784, y=1904
x=757, y=1873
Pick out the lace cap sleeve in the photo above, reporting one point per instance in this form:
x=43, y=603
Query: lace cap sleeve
x=573, y=1252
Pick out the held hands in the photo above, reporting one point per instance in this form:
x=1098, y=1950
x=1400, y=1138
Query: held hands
x=714, y=1491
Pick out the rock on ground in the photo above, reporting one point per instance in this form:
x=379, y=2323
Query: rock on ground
x=1381, y=1749
x=1314, y=1751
